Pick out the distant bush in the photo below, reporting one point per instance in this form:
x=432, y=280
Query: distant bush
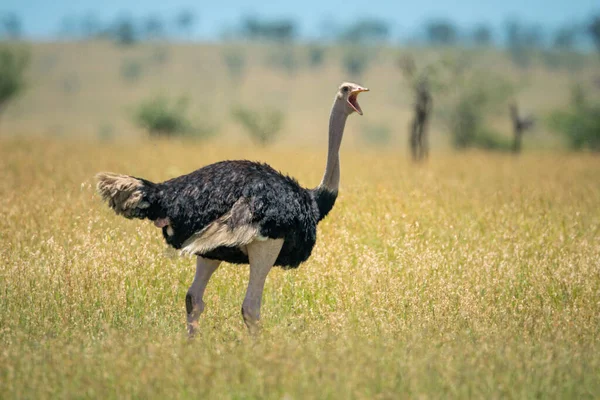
x=48, y=62
x=488, y=139
x=160, y=55
x=580, y=123
x=464, y=96
x=131, y=70
x=263, y=127
x=441, y=32
x=473, y=95
x=11, y=26
x=13, y=63
x=569, y=60
x=365, y=31
x=354, y=61
x=316, y=55
x=161, y=116
x=124, y=31
x=106, y=132
x=468, y=125
x=153, y=28
x=276, y=30
x=283, y=57
x=593, y=31
x=523, y=42
x=185, y=20
x=466, y=120
x=482, y=35
x=235, y=60
x=376, y=134
x=71, y=83
x=438, y=75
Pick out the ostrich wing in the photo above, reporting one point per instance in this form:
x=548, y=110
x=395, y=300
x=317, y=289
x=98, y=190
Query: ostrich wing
x=232, y=229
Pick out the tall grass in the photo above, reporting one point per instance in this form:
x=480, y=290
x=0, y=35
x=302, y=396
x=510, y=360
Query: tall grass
x=472, y=276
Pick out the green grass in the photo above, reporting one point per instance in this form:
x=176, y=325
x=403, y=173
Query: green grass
x=475, y=275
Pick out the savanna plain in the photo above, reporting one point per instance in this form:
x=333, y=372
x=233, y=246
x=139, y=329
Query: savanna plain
x=474, y=275
x=471, y=275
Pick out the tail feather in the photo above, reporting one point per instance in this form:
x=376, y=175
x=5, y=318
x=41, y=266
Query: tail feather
x=124, y=194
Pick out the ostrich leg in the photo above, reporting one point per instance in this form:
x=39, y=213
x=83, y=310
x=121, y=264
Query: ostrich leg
x=193, y=299
x=262, y=256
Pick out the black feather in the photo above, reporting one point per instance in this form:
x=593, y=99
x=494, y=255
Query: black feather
x=325, y=200
x=278, y=205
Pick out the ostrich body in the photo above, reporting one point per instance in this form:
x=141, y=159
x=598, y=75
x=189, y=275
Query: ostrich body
x=237, y=211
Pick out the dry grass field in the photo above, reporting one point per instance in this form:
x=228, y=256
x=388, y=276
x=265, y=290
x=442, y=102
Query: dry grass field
x=475, y=275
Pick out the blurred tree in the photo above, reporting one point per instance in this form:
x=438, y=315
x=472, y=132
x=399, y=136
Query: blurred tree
x=366, y=31
x=160, y=54
x=316, y=55
x=185, y=20
x=355, y=60
x=565, y=38
x=13, y=63
x=262, y=126
x=161, y=116
x=328, y=29
x=482, y=35
x=376, y=134
x=422, y=81
x=131, y=70
x=86, y=26
x=471, y=93
x=235, y=60
x=562, y=52
x=124, y=31
x=441, y=32
x=521, y=124
x=594, y=31
x=166, y=117
x=580, y=123
x=522, y=40
x=90, y=26
x=467, y=121
x=419, y=141
x=71, y=83
x=283, y=57
x=522, y=34
x=153, y=28
x=11, y=26
x=279, y=30
x=68, y=27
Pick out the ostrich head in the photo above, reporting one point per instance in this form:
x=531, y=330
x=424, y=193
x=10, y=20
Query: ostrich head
x=348, y=94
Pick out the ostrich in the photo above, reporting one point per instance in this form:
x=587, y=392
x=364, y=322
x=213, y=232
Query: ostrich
x=240, y=212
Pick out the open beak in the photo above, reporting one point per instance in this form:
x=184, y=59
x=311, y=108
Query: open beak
x=352, y=99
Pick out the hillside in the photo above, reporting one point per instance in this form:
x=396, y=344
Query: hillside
x=91, y=88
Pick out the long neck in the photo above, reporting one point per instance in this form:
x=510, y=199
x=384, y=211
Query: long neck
x=337, y=122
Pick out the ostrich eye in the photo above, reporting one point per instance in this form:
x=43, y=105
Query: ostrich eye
x=345, y=89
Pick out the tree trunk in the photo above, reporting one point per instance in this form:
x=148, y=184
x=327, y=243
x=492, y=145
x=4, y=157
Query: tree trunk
x=517, y=142
x=517, y=129
x=414, y=143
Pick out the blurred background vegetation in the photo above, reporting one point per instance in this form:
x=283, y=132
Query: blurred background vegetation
x=263, y=78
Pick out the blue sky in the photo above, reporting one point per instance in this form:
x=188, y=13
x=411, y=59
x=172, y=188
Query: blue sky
x=42, y=18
